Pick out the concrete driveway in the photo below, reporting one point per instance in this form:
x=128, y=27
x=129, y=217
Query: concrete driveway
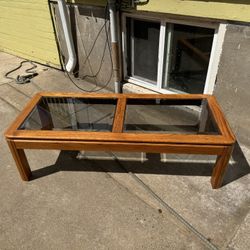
x=115, y=200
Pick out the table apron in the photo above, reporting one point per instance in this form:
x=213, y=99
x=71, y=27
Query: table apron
x=120, y=146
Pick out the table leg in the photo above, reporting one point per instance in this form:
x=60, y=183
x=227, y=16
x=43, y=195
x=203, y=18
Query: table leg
x=220, y=167
x=21, y=161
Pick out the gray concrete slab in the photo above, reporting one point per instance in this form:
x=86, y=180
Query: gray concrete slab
x=183, y=182
x=241, y=238
x=94, y=203
x=82, y=210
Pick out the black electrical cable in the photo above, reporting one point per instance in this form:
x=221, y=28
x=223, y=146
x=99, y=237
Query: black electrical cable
x=103, y=53
x=92, y=47
x=100, y=66
x=22, y=79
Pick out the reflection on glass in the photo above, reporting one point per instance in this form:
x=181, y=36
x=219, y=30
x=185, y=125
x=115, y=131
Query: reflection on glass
x=169, y=116
x=187, y=54
x=143, y=46
x=87, y=114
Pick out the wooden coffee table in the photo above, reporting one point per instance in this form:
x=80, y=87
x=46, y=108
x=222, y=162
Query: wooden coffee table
x=176, y=124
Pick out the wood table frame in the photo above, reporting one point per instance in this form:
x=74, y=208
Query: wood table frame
x=116, y=140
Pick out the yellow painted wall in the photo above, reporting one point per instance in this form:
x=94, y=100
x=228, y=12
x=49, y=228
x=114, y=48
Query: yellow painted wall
x=26, y=30
x=237, y=10
x=26, y=27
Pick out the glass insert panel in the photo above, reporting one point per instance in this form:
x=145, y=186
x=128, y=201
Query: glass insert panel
x=169, y=116
x=83, y=114
x=187, y=55
x=143, y=49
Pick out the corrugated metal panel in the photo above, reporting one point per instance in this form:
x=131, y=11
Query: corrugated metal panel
x=26, y=30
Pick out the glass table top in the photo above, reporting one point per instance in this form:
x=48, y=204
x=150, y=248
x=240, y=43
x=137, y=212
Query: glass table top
x=169, y=116
x=59, y=113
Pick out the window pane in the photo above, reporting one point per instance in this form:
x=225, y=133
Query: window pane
x=144, y=49
x=187, y=55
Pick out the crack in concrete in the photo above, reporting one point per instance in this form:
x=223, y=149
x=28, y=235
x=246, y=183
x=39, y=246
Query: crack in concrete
x=19, y=91
x=163, y=204
x=10, y=104
x=227, y=244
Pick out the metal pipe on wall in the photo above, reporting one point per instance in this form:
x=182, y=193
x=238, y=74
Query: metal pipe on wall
x=115, y=45
x=71, y=63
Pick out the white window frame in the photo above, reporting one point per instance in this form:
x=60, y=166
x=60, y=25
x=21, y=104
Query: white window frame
x=216, y=50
